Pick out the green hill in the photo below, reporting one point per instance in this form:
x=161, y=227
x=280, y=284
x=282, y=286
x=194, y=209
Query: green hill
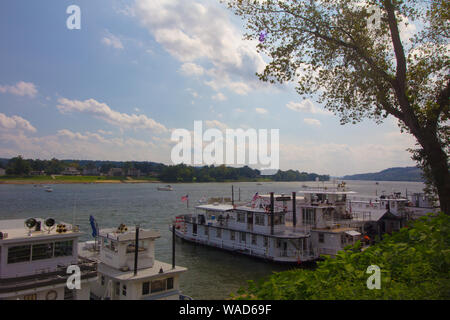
x=391, y=174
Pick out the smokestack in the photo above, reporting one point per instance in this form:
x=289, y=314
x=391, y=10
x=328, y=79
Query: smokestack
x=232, y=194
x=173, y=246
x=271, y=212
x=294, y=209
x=136, y=251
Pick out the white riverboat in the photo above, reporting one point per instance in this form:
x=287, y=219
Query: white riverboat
x=127, y=268
x=34, y=258
x=279, y=228
x=247, y=230
x=166, y=188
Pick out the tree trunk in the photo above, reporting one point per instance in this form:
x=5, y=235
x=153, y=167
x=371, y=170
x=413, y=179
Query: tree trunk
x=437, y=160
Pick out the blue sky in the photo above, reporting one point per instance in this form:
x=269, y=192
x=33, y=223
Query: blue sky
x=138, y=69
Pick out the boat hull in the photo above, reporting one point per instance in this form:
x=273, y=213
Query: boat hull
x=248, y=252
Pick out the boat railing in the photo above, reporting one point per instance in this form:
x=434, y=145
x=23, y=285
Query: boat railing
x=87, y=267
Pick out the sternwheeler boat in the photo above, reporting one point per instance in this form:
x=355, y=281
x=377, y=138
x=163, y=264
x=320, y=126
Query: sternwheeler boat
x=279, y=228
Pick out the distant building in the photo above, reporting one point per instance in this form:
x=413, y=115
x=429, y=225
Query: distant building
x=71, y=171
x=134, y=172
x=37, y=173
x=115, y=172
x=2, y=172
x=91, y=172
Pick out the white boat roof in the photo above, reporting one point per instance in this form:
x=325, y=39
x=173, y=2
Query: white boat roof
x=297, y=196
x=322, y=191
x=16, y=230
x=216, y=207
x=128, y=235
x=142, y=274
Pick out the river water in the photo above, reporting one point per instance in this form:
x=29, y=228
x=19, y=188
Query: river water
x=212, y=273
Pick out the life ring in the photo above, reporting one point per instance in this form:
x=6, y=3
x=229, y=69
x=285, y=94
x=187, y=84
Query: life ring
x=51, y=295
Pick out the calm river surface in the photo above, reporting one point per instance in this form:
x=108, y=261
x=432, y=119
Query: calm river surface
x=212, y=273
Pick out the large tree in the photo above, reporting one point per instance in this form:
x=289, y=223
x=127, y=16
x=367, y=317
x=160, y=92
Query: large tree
x=357, y=59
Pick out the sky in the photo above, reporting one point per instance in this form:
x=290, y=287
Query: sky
x=139, y=69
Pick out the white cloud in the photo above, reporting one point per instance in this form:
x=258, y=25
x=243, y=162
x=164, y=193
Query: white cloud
x=261, y=110
x=20, y=89
x=216, y=124
x=312, y=122
x=104, y=132
x=191, y=69
x=15, y=123
x=307, y=106
x=338, y=159
x=219, y=97
x=111, y=40
x=67, y=144
x=104, y=112
x=193, y=31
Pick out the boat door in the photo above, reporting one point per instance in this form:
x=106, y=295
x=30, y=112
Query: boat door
x=250, y=221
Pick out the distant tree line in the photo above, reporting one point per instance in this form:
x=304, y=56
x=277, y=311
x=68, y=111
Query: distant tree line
x=183, y=173
x=18, y=166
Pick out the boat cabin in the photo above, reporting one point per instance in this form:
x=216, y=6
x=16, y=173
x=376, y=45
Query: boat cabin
x=34, y=258
x=127, y=268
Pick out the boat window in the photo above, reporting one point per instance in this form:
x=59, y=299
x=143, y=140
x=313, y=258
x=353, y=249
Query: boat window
x=124, y=290
x=278, y=219
x=102, y=279
x=194, y=229
x=242, y=236
x=232, y=235
x=169, y=283
x=253, y=238
x=240, y=217
x=321, y=237
x=157, y=286
x=308, y=216
x=19, y=254
x=145, y=288
x=206, y=230
x=219, y=233
x=343, y=240
x=63, y=248
x=259, y=219
x=266, y=241
x=42, y=251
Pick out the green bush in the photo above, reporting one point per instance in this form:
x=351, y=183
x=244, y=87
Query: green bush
x=414, y=264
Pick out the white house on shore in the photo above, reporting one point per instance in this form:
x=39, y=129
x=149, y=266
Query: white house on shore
x=71, y=171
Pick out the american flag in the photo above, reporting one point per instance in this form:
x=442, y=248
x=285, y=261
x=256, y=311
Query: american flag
x=184, y=198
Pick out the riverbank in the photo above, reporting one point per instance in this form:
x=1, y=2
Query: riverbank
x=56, y=179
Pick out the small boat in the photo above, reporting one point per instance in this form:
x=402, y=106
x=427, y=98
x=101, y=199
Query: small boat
x=166, y=188
x=48, y=189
